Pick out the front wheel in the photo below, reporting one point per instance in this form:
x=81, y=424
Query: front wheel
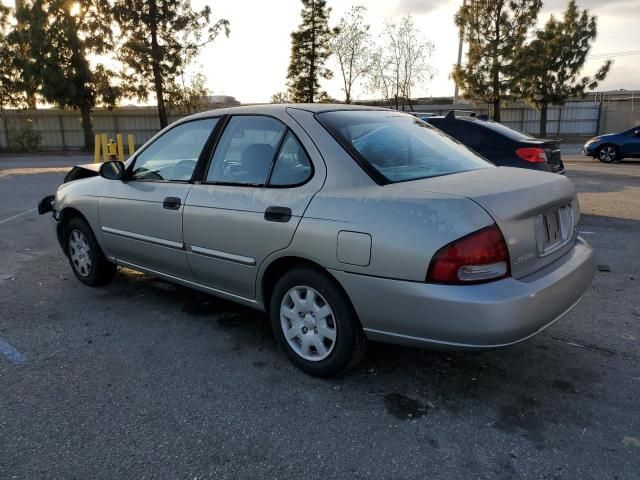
x=608, y=154
x=85, y=256
x=315, y=324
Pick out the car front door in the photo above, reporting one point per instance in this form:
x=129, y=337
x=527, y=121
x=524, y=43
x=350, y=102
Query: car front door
x=261, y=178
x=631, y=144
x=141, y=217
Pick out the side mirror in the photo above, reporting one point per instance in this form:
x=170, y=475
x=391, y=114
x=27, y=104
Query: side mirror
x=112, y=170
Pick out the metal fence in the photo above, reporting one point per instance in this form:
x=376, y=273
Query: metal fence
x=62, y=129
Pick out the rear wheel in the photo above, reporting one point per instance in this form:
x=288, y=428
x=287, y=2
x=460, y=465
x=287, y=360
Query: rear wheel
x=608, y=153
x=315, y=324
x=85, y=255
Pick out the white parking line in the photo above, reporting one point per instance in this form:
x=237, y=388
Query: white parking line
x=11, y=353
x=18, y=215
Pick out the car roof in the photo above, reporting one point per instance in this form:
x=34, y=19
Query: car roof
x=280, y=107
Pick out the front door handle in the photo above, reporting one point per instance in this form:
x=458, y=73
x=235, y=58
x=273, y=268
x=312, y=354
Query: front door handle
x=172, y=203
x=277, y=214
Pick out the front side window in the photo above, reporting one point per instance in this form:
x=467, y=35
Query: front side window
x=174, y=155
x=397, y=147
x=246, y=151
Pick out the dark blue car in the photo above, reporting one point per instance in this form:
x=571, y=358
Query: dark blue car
x=498, y=143
x=614, y=146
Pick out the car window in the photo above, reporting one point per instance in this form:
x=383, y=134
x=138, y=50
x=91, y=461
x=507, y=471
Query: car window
x=174, y=155
x=292, y=166
x=398, y=147
x=246, y=150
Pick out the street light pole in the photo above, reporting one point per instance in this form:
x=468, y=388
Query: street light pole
x=455, y=92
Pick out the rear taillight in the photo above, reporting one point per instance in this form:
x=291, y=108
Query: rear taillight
x=532, y=155
x=481, y=256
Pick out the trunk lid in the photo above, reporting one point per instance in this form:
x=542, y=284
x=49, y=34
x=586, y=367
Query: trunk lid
x=538, y=213
x=552, y=150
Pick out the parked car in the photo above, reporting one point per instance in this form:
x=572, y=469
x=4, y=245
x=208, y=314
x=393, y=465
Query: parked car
x=500, y=144
x=344, y=223
x=614, y=146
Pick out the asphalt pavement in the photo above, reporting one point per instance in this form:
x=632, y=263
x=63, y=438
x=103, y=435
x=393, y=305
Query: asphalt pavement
x=143, y=379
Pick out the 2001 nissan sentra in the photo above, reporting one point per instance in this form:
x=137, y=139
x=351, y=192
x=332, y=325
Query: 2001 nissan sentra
x=343, y=223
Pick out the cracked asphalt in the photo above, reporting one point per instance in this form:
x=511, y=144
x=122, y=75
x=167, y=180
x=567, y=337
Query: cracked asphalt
x=144, y=379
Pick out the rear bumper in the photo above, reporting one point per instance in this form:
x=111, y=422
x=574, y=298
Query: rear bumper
x=470, y=316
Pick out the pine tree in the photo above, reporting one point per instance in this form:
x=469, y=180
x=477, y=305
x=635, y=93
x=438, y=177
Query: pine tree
x=61, y=36
x=310, y=49
x=495, y=31
x=161, y=37
x=549, y=65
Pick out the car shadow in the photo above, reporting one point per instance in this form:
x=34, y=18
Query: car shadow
x=519, y=390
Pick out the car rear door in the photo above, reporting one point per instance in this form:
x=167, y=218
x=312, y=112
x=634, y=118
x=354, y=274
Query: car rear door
x=263, y=173
x=141, y=217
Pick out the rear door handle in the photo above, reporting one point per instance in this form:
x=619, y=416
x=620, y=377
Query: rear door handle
x=277, y=214
x=172, y=203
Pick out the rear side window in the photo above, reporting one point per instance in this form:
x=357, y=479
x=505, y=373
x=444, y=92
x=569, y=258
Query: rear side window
x=259, y=151
x=246, y=150
x=396, y=147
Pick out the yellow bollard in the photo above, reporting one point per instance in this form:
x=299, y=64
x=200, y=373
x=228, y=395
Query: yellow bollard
x=131, y=144
x=120, y=147
x=96, y=150
x=113, y=150
x=105, y=147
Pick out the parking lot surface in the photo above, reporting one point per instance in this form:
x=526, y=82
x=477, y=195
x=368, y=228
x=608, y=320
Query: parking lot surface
x=144, y=379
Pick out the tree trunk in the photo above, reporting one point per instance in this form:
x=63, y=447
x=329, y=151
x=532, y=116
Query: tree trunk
x=496, y=109
x=156, y=58
x=496, y=67
x=89, y=139
x=348, y=97
x=543, y=120
x=312, y=63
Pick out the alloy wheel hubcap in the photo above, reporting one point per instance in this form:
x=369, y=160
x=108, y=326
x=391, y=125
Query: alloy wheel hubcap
x=308, y=323
x=80, y=253
x=608, y=154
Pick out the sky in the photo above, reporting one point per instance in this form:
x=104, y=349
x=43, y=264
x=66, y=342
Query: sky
x=251, y=64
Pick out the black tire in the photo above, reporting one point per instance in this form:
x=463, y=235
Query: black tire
x=609, y=153
x=350, y=342
x=100, y=271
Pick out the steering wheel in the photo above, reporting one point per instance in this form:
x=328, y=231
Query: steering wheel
x=183, y=170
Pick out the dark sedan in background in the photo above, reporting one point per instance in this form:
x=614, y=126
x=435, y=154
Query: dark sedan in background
x=498, y=143
x=614, y=146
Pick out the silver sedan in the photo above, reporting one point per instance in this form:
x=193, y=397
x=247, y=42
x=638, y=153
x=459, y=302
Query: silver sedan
x=344, y=224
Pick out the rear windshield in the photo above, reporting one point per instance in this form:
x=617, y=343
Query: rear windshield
x=397, y=147
x=508, y=132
